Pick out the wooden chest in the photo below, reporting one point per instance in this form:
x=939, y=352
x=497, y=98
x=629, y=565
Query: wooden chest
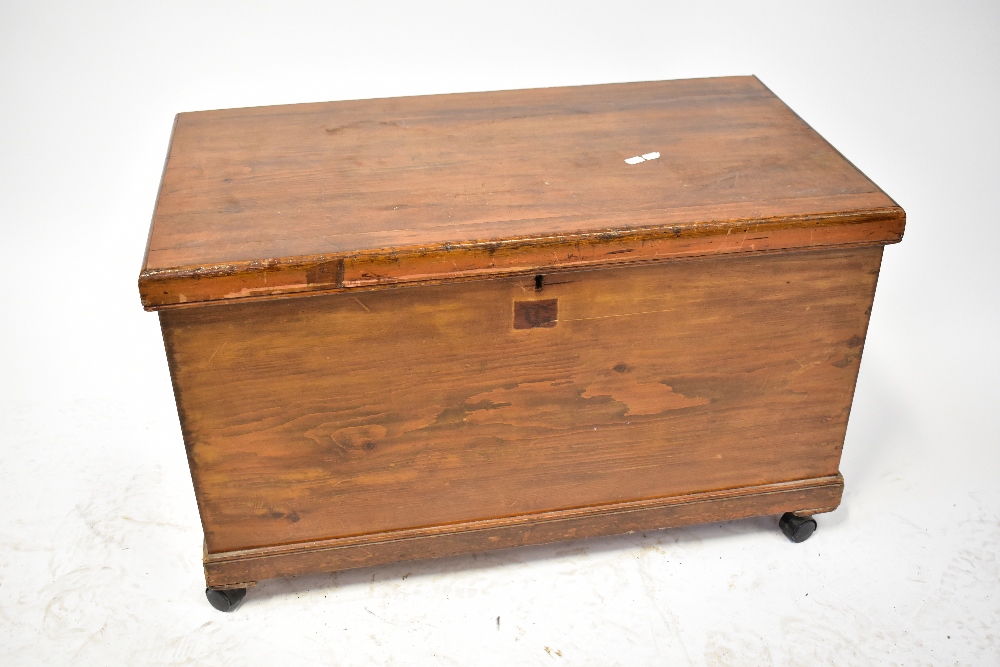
x=414, y=327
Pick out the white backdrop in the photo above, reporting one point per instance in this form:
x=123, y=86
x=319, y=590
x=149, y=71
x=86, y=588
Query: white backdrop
x=100, y=541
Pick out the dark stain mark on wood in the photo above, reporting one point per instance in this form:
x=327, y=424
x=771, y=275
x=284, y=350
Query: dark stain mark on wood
x=326, y=273
x=531, y=314
x=620, y=368
x=845, y=362
x=855, y=341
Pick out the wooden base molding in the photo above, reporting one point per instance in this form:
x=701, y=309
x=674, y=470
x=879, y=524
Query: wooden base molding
x=234, y=569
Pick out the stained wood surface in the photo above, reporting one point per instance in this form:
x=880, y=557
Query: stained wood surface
x=351, y=414
x=240, y=568
x=334, y=196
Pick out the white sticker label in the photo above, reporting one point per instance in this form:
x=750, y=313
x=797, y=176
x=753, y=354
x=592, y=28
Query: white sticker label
x=642, y=158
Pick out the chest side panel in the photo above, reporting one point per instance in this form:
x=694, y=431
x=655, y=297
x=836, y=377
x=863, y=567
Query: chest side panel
x=348, y=414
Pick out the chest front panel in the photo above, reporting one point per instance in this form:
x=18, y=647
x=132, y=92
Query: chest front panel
x=346, y=414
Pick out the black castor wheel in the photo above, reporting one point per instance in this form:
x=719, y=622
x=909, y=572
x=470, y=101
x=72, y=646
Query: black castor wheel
x=225, y=600
x=797, y=528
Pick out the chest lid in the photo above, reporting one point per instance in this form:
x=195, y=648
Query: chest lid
x=282, y=200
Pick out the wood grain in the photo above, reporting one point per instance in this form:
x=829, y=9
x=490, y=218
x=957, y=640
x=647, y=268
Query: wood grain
x=353, y=414
x=372, y=193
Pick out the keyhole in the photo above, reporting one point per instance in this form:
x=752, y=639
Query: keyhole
x=538, y=283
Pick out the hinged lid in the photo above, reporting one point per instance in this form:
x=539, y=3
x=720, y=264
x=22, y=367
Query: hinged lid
x=335, y=196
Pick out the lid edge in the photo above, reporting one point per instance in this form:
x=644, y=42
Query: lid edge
x=440, y=262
